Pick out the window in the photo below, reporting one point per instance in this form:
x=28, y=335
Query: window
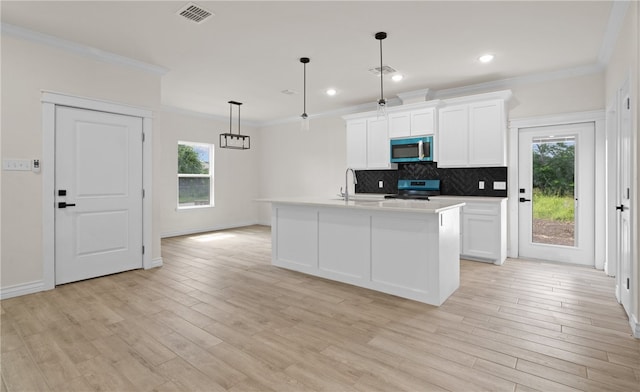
x=195, y=178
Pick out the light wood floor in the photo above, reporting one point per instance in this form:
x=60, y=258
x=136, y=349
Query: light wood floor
x=218, y=317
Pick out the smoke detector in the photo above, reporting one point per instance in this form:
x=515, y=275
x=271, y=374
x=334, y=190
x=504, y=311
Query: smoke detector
x=194, y=13
x=385, y=70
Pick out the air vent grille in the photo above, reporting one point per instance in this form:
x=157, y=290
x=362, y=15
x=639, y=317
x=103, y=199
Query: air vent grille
x=385, y=70
x=194, y=13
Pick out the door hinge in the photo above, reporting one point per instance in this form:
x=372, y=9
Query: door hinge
x=628, y=194
x=143, y=193
x=142, y=249
x=628, y=103
x=143, y=136
x=627, y=283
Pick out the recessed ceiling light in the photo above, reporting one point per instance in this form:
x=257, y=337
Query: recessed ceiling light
x=289, y=92
x=397, y=77
x=486, y=58
x=331, y=92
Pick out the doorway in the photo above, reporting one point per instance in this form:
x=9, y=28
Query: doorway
x=556, y=202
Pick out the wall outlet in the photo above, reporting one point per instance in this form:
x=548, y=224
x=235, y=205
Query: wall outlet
x=481, y=185
x=380, y=184
x=499, y=186
x=16, y=164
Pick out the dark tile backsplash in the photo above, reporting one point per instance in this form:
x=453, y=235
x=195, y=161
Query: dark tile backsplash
x=458, y=182
x=368, y=181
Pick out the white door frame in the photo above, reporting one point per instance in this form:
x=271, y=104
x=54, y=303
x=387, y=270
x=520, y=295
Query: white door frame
x=49, y=102
x=598, y=118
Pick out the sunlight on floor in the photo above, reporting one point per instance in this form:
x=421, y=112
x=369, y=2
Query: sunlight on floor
x=211, y=237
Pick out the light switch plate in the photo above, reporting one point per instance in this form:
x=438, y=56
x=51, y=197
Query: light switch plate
x=480, y=184
x=499, y=185
x=380, y=184
x=16, y=164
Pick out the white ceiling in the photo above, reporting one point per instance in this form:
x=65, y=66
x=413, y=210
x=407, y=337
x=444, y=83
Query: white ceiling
x=249, y=51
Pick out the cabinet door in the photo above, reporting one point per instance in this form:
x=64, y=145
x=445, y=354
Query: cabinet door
x=423, y=122
x=357, y=144
x=452, y=142
x=377, y=144
x=481, y=236
x=487, y=127
x=399, y=125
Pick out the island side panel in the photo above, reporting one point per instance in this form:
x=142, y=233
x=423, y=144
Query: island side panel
x=405, y=249
x=344, y=245
x=449, y=251
x=295, y=238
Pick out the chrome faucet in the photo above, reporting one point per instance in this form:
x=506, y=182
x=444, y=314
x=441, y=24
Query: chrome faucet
x=346, y=183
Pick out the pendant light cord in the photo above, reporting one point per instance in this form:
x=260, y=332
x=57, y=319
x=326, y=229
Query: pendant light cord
x=381, y=84
x=304, y=88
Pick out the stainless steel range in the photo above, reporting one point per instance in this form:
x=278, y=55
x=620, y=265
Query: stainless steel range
x=416, y=189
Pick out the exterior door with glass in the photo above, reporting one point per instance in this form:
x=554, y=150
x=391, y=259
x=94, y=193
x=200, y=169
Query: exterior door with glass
x=556, y=211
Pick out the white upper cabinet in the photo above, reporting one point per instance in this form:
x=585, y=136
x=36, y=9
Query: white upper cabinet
x=423, y=122
x=378, y=149
x=412, y=120
x=368, y=143
x=357, y=144
x=399, y=125
x=453, y=149
x=472, y=131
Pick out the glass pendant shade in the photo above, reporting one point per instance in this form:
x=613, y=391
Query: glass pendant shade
x=304, y=123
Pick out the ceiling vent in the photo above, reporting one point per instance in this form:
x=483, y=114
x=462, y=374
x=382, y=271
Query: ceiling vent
x=385, y=70
x=194, y=13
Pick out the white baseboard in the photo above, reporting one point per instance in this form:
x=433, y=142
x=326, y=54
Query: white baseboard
x=157, y=262
x=635, y=326
x=210, y=228
x=21, y=289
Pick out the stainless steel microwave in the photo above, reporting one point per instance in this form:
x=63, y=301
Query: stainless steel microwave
x=414, y=149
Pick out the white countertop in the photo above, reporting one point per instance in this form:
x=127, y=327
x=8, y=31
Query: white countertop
x=469, y=198
x=421, y=206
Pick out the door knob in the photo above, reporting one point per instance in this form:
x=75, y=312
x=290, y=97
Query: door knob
x=522, y=200
x=621, y=207
x=64, y=204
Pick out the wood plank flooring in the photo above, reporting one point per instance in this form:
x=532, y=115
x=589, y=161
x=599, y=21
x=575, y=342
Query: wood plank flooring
x=218, y=317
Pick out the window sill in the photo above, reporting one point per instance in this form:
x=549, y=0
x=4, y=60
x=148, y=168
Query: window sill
x=191, y=208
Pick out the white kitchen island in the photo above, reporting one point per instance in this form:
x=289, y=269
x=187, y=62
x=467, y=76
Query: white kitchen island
x=406, y=248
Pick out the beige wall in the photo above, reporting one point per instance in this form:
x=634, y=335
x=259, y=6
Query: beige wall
x=625, y=63
x=27, y=69
x=235, y=175
x=302, y=163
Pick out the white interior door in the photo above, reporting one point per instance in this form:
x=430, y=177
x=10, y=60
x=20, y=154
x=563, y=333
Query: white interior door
x=98, y=219
x=556, y=211
x=624, y=202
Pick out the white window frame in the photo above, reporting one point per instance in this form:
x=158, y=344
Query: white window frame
x=211, y=148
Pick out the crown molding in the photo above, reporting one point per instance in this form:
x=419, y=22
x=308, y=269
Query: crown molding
x=616, y=19
x=80, y=49
x=508, y=83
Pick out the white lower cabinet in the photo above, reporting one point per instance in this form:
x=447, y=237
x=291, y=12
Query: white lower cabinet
x=483, y=229
x=408, y=254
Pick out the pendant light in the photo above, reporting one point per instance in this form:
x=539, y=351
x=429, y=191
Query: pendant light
x=305, y=118
x=232, y=140
x=382, y=103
